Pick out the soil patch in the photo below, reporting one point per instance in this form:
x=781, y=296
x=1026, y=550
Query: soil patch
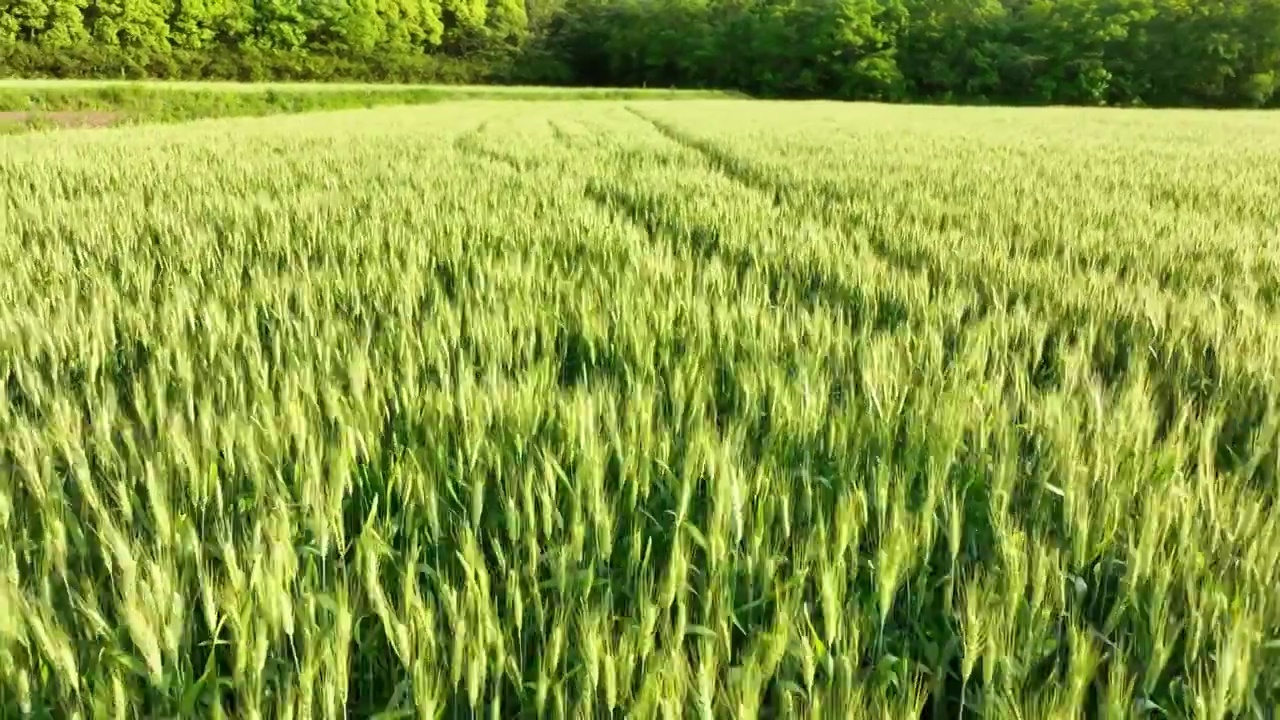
x=63, y=118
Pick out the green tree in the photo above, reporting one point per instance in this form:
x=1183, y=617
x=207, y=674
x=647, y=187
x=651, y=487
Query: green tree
x=193, y=24
x=952, y=49
x=365, y=26
x=541, y=13
x=464, y=20
x=234, y=22
x=835, y=48
x=129, y=23
x=865, y=36
x=1213, y=52
x=279, y=24
x=1161, y=52
x=507, y=21
x=66, y=27
x=343, y=26
x=25, y=20
x=412, y=26
x=1257, y=80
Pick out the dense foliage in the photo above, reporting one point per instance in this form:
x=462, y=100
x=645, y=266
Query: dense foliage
x=714, y=409
x=1166, y=52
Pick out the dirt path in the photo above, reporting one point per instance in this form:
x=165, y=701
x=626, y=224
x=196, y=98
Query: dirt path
x=62, y=118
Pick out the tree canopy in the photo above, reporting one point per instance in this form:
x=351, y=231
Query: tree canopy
x=1218, y=53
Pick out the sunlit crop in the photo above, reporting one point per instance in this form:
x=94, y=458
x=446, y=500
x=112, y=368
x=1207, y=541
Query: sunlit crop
x=711, y=409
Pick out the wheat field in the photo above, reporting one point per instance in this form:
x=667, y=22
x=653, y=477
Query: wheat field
x=707, y=409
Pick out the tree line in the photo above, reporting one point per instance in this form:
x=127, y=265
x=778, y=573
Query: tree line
x=1216, y=53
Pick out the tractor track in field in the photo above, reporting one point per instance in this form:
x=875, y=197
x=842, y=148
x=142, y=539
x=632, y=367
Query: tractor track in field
x=905, y=259
x=813, y=290
x=469, y=144
x=725, y=163
x=761, y=181
x=1133, y=334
